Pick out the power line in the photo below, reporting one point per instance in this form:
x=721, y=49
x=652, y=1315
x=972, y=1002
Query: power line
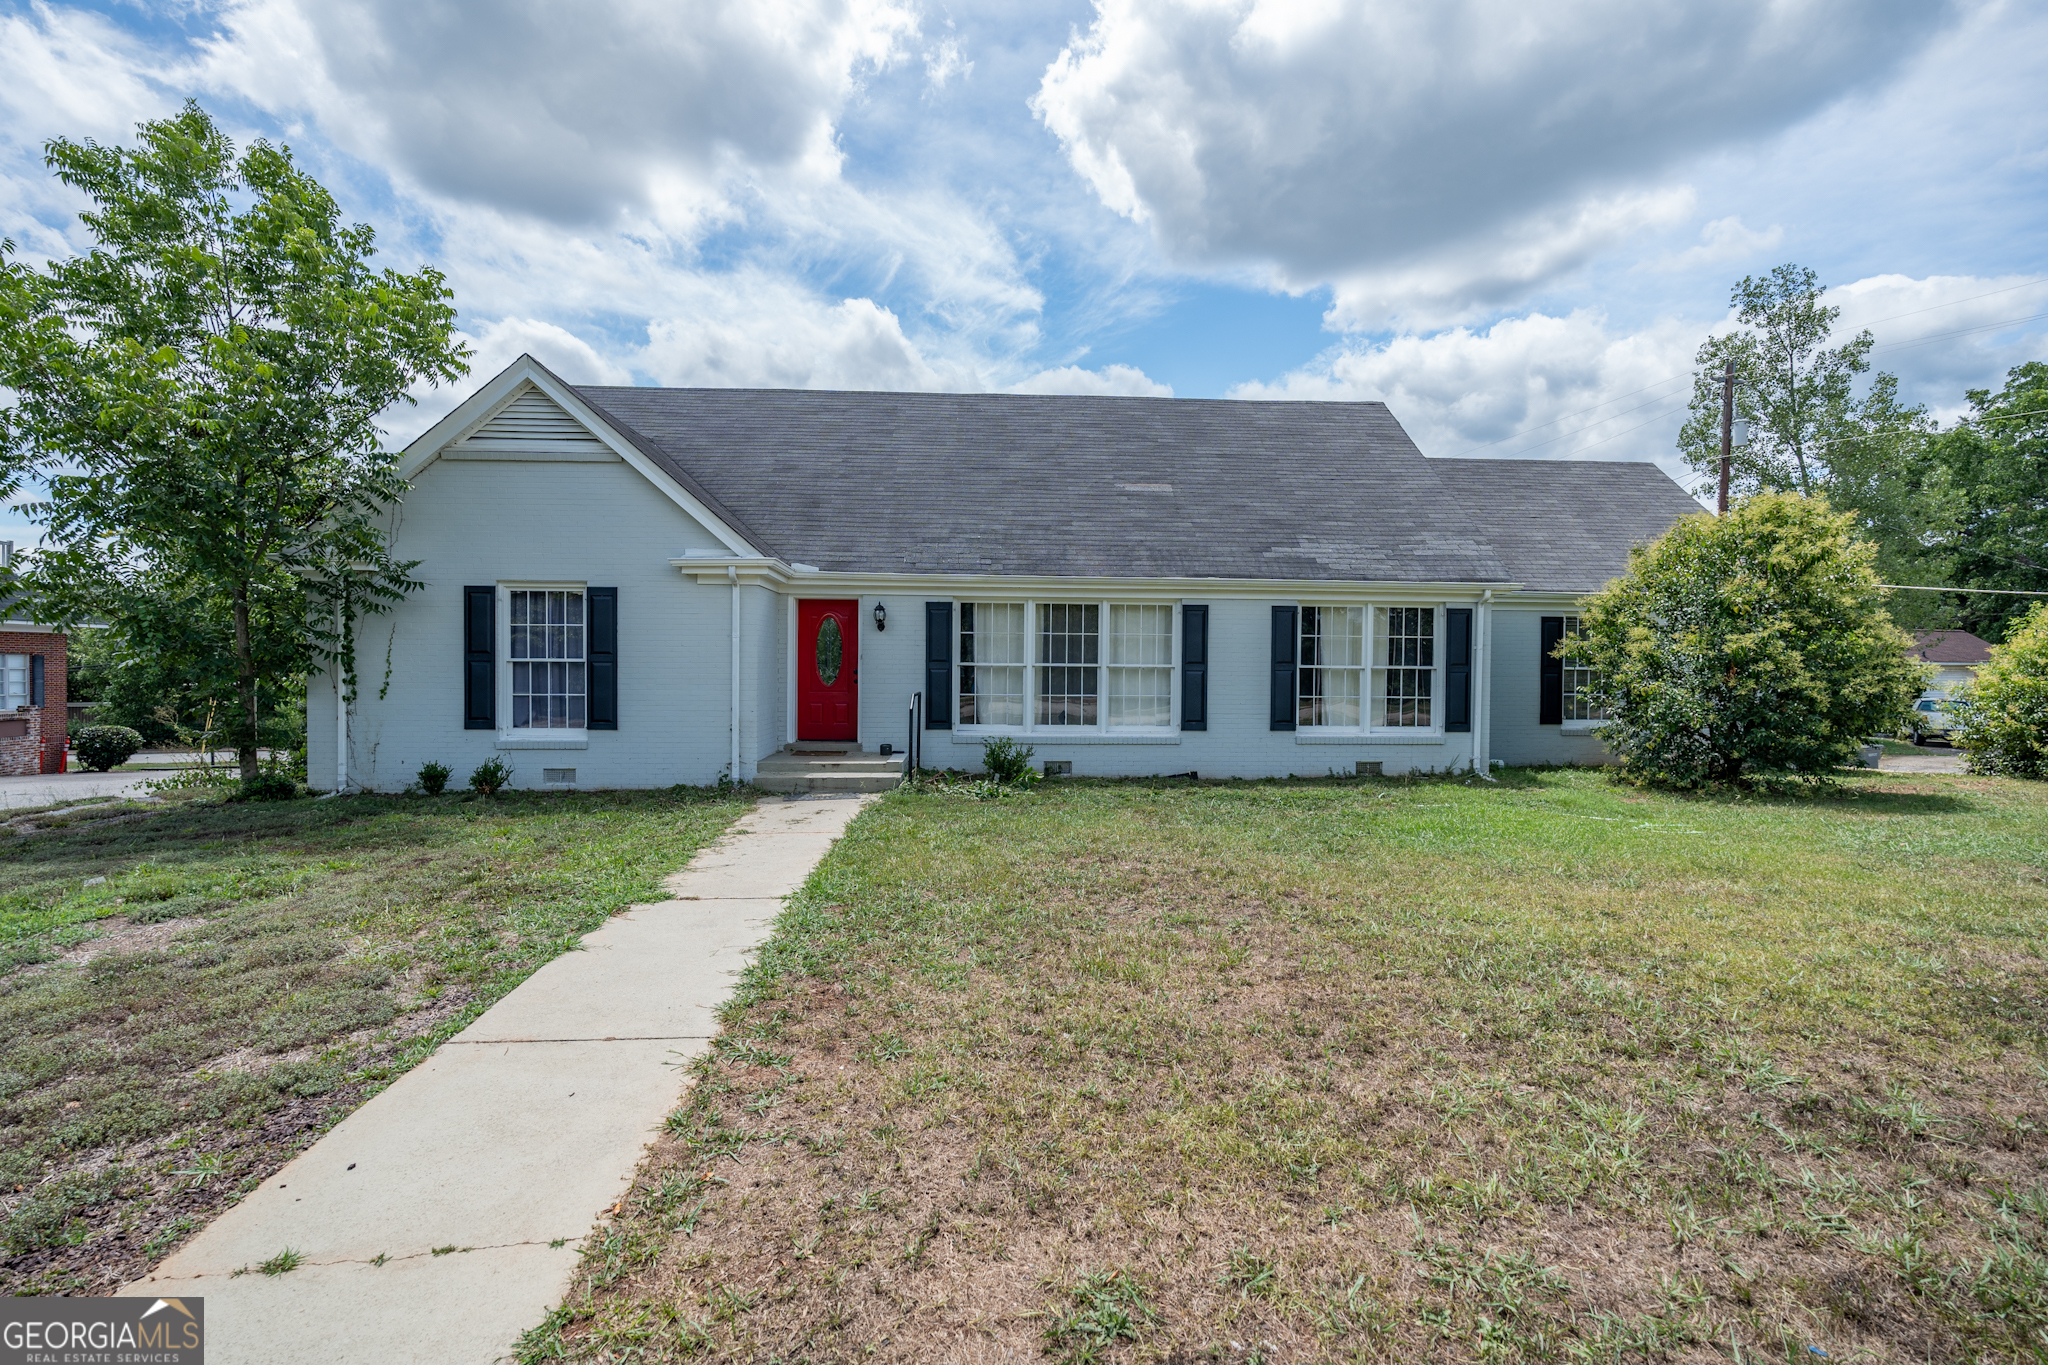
x=1935, y=307
x=2001, y=592
x=1603, y=440
x=1960, y=331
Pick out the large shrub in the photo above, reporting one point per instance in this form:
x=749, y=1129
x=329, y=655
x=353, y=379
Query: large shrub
x=101, y=747
x=1751, y=649
x=2004, y=713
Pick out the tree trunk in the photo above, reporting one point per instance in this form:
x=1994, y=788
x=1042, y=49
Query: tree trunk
x=245, y=664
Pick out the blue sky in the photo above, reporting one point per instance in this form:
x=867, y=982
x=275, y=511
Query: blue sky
x=1513, y=229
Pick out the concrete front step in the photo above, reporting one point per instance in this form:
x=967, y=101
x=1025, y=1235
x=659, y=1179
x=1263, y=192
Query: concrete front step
x=829, y=772
x=835, y=783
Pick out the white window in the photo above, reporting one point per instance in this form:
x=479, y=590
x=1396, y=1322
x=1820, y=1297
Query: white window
x=13, y=681
x=546, y=652
x=1404, y=667
x=1578, y=682
x=1332, y=660
x=1139, y=661
x=1066, y=666
x=1069, y=650
x=1367, y=669
x=992, y=663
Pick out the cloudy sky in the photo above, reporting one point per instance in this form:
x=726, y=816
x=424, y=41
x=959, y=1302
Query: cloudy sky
x=1513, y=223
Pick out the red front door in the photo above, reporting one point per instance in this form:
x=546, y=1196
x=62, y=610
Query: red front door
x=827, y=670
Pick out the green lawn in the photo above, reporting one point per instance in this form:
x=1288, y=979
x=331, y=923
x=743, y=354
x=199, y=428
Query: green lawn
x=1548, y=1069
x=190, y=995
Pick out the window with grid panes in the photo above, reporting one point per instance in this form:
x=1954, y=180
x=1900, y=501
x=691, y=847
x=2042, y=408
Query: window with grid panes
x=1332, y=662
x=1138, y=658
x=13, y=681
x=1404, y=667
x=546, y=653
x=1069, y=662
x=1578, y=682
x=992, y=659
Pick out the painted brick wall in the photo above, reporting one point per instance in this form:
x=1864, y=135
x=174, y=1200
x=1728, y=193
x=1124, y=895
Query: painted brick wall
x=46, y=756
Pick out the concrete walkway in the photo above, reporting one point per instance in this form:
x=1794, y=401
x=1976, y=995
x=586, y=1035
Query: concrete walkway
x=507, y=1144
x=44, y=788
x=1928, y=760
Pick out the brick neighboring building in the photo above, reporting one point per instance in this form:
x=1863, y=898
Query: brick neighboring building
x=33, y=694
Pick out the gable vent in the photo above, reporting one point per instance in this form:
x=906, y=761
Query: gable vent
x=532, y=426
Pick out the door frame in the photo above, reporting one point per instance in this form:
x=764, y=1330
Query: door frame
x=795, y=669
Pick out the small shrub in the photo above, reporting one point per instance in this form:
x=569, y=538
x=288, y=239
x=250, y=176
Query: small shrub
x=270, y=786
x=1008, y=762
x=2003, y=715
x=433, y=778
x=490, y=777
x=101, y=747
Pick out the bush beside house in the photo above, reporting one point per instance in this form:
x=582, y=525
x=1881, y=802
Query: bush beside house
x=1749, y=649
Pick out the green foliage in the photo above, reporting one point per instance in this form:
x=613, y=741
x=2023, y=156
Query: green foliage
x=1988, y=476
x=1008, y=762
x=1751, y=649
x=490, y=776
x=199, y=394
x=433, y=778
x=101, y=747
x=1100, y=1312
x=267, y=786
x=2004, y=713
x=1789, y=385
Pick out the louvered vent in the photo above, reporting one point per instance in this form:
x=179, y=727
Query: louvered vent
x=533, y=418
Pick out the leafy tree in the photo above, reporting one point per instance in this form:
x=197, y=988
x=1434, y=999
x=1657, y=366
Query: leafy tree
x=1794, y=390
x=1751, y=649
x=199, y=393
x=2004, y=713
x=1986, y=479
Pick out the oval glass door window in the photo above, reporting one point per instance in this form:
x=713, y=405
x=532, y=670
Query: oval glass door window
x=831, y=650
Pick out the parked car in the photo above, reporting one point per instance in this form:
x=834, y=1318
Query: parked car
x=1931, y=719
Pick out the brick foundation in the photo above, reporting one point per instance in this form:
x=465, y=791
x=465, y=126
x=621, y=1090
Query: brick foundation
x=41, y=748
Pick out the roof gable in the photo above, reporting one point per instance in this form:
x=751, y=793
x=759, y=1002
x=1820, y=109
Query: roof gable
x=527, y=412
x=1949, y=647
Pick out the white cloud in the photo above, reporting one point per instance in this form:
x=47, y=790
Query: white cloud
x=945, y=63
x=1576, y=387
x=1120, y=381
x=1547, y=387
x=1401, y=141
x=1724, y=239
x=623, y=104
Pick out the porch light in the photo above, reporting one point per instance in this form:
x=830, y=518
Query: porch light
x=881, y=617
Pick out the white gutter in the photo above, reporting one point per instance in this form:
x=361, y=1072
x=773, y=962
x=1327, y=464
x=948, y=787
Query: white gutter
x=340, y=714
x=1482, y=688
x=733, y=575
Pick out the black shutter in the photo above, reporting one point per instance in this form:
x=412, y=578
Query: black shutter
x=1458, y=668
x=1550, y=704
x=603, y=653
x=938, y=665
x=1194, y=668
x=1282, y=715
x=480, y=658
x=35, y=680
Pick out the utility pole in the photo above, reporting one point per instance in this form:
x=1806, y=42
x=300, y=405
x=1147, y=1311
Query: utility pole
x=1727, y=430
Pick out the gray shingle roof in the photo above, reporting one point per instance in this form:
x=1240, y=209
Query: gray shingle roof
x=1565, y=525
x=1129, y=487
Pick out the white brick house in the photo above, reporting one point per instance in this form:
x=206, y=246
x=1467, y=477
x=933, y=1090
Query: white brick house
x=639, y=587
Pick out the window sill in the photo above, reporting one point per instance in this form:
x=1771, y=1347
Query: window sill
x=540, y=739
x=1423, y=737
x=1054, y=737
x=1582, y=727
